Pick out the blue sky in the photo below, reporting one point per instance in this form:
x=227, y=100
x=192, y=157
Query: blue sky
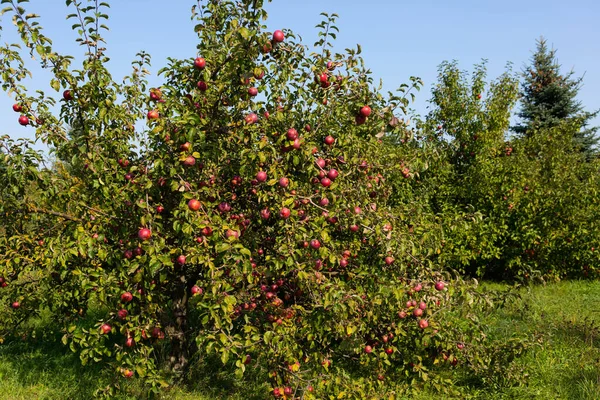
x=399, y=38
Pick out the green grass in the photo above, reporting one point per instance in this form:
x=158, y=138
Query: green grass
x=565, y=317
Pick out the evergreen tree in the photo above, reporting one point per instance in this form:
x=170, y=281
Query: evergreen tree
x=549, y=98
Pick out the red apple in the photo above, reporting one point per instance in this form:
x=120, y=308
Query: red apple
x=332, y=173
x=189, y=161
x=67, y=95
x=181, y=260
x=200, y=63
x=261, y=176
x=105, y=329
x=439, y=286
x=127, y=373
x=285, y=213
x=153, y=114
x=253, y=91
x=129, y=342
x=17, y=107
x=389, y=260
x=160, y=209
x=365, y=111
x=284, y=182
x=278, y=36
x=251, y=118
x=315, y=244
x=144, y=234
x=194, y=205
x=126, y=297
x=202, y=86
x=122, y=313
x=196, y=290
x=292, y=134
x=326, y=182
x=329, y=140
x=15, y=305
x=423, y=323
x=368, y=349
x=23, y=120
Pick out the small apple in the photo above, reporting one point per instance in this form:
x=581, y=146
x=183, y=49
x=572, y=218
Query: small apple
x=292, y=134
x=185, y=146
x=153, y=114
x=181, y=260
x=17, y=108
x=127, y=373
x=365, y=111
x=253, y=91
x=200, y=63
x=315, y=244
x=423, y=324
x=202, y=86
x=329, y=140
x=439, y=286
x=130, y=342
x=251, y=118
x=122, y=313
x=326, y=182
x=389, y=260
x=285, y=213
x=196, y=290
x=155, y=94
x=332, y=174
x=105, y=329
x=144, y=234
x=368, y=349
x=194, y=205
x=160, y=209
x=67, y=95
x=189, y=161
x=126, y=297
x=261, y=176
x=23, y=120
x=15, y=305
x=278, y=36
x=284, y=182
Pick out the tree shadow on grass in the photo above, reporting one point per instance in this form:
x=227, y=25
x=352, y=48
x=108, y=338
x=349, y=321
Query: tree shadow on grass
x=49, y=369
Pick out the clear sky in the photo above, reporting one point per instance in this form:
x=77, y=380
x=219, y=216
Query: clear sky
x=399, y=38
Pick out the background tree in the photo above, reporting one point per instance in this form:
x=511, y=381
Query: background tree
x=549, y=99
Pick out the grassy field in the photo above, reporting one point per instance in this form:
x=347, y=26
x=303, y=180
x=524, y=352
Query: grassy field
x=566, y=365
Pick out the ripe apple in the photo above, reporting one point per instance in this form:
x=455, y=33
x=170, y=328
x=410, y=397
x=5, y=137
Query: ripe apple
x=155, y=94
x=402, y=314
x=23, y=120
x=251, y=118
x=265, y=213
x=423, y=323
x=160, y=209
x=138, y=251
x=418, y=287
x=278, y=36
x=261, y=176
x=360, y=119
x=417, y=312
x=439, y=286
x=288, y=391
x=189, y=161
x=105, y=329
x=67, y=95
x=126, y=297
x=330, y=65
x=15, y=305
x=332, y=173
x=365, y=111
x=153, y=114
x=202, y=86
x=129, y=342
x=17, y=107
x=389, y=351
x=253, y=91
x=329, y=140
x=144, y=234
x=181, y=259
x=127, y=373
x=326, y=182
x=324, y=202
x=185, y=146
x=389, y=260
x=194, y=205
x=196, y=290
x=292, y=134
x=200, y=63
x=321, y=163
x=285, y=213
x=315, y=244
x=122, y=313
x=354, y=228
x=368, y=349
x=284, y=182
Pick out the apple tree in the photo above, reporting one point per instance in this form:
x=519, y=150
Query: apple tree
x=244, y=209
